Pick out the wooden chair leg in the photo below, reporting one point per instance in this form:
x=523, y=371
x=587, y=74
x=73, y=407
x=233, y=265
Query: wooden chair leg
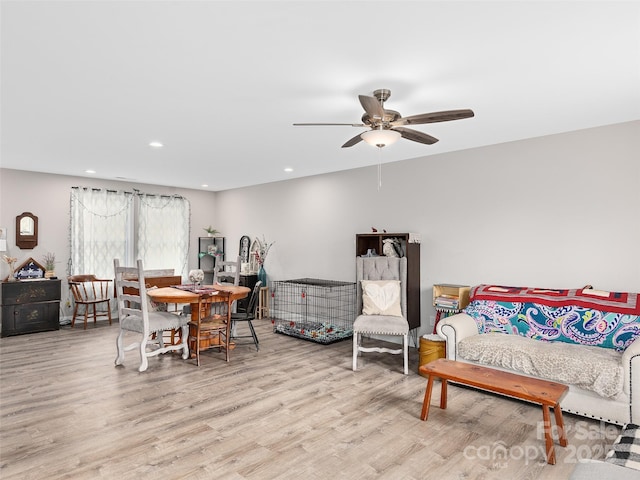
x=198, y=348
x=120, y=347
x=75, y=312
x=184, y=336
x=227, y=343
x=405, y=353
x=355, y=351
x=144, y=362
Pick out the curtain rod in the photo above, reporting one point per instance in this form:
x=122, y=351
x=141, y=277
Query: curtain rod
x=135, y=192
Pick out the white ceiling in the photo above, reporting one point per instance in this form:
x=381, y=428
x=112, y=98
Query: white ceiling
x=88, y=84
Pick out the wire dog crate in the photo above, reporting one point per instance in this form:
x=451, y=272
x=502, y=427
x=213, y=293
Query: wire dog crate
x=322, y=311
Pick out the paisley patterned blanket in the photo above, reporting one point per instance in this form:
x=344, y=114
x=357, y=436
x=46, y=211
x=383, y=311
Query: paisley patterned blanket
x=584, y=316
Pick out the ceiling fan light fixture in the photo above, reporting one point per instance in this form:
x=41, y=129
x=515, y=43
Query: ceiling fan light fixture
x=388, y=126
x=381, y=138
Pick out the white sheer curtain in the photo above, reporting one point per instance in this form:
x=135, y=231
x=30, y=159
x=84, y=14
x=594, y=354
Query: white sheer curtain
x=109, y=224
x=163, y=232
x=101, y=226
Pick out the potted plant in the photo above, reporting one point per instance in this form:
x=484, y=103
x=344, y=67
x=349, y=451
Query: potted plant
x=11, y=261
x=49, y=260
x=211, y=232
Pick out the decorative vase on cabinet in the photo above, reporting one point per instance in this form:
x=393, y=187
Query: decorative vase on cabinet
x=262, y=275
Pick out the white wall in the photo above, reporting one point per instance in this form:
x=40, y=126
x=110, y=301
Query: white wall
x=47, y=197
x=556, y=211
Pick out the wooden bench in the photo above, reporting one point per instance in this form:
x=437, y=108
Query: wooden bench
x=541, y=392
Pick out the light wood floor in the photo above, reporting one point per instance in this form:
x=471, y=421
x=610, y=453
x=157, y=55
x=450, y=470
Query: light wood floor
x=293, y=410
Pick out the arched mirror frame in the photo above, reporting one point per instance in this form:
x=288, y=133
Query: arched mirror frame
x=29, y=240
x=245, y=246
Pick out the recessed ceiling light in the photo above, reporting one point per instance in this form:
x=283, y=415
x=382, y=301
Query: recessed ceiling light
x=204, y=185
x=89, y=171
x=288, y=169
x=156, y=144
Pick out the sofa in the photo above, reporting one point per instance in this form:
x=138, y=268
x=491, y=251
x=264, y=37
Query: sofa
x=584, y=338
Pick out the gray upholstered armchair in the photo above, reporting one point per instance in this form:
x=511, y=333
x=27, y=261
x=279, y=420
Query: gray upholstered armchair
x=382, y=304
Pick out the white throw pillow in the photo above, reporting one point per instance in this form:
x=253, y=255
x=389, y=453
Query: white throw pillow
x=381, y=297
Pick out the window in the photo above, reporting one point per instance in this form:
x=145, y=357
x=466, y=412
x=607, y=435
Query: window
x=107, y=224
x=163, y=232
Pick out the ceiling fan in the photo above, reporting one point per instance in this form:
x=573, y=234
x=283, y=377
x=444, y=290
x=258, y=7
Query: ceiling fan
x=387, y=126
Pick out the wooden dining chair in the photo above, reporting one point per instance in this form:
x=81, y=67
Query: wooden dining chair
x=137, y=318
x=213, y=331
x=89, y=293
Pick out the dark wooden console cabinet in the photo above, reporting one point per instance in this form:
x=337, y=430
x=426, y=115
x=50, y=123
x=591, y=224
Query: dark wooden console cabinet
x=29, y=307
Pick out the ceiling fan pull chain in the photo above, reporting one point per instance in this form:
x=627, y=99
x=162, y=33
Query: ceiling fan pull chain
x=379, y=167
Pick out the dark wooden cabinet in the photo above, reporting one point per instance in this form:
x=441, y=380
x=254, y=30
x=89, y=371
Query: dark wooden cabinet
x=29, y=307
x=410, y=246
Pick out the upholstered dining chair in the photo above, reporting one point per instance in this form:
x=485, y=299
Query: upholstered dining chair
x=89, y=293
x=247, y=316
x=226, y=273
x=382, y=300
x=137, y=317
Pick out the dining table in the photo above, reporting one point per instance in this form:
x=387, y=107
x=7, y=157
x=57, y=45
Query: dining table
x=200, y=297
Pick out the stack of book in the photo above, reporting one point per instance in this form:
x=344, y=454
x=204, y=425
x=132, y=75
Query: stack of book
x=447, y=301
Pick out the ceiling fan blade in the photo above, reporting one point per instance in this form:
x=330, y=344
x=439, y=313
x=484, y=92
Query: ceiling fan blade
x=329, y=124
x=415, y=135
x=434, y=117
x=372, y=106
x=353, y=141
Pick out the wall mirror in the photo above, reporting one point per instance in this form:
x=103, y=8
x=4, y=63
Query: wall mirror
x=26, y=231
